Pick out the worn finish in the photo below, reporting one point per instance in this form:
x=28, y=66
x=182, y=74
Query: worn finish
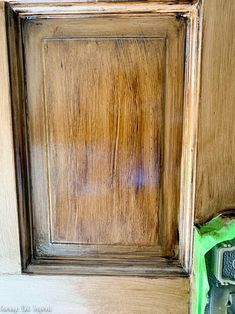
x=88, y=295
x=189, y=145
x=104, y=100
x=82, y=137
x=216, y=142
x=214, y=183
x=9, y=232
x=147, y=248
x=55, y=7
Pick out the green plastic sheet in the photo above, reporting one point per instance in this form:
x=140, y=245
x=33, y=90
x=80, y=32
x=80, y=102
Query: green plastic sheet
x=205, y=238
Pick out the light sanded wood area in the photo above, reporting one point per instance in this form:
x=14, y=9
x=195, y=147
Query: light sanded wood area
x=9, y=238
x=92, y=295
x=104, y=103
x=215, y=189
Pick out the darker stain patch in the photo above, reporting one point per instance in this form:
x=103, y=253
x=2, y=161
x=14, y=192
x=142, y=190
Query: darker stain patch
x=180, y=15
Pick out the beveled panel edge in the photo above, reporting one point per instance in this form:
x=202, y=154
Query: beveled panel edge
x=46, y=249
x=42, y=245
x=165, y=268
x=190, y=128
x=191, y=12
x=40, y=9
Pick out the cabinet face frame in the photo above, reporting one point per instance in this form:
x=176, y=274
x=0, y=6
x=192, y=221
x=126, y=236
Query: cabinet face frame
x=15, y=14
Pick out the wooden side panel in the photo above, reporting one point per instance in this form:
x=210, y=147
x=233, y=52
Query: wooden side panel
x=88, y=295
x=216, y=139
x=104, y=101
x=9, y=237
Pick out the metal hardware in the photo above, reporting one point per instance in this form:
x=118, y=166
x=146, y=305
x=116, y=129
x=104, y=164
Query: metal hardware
x=223, y=263
x=221, y=275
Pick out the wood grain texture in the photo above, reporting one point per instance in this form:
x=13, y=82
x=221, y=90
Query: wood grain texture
x=95, y=26
x=104, y=295
x=9, y=232
x=216, y=141
x=54, y=7
x=60, y=9
x=104, y=101
x=188, y=162
x=112, y=111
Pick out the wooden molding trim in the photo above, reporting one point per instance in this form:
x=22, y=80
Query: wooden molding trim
x=60, y=9
x=188, y=175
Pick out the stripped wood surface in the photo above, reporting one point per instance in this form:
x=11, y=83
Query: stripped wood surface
x=92, y=295
x=215, y=191
x=9, y=232
x=104, y=119
x=104, y=135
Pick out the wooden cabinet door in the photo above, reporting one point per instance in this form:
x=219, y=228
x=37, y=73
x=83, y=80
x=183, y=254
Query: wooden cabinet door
x=103, y=101
x=98, y=119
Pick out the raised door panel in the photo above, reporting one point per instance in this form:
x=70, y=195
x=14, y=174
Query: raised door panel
x=98, y=120
x=103, y=100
